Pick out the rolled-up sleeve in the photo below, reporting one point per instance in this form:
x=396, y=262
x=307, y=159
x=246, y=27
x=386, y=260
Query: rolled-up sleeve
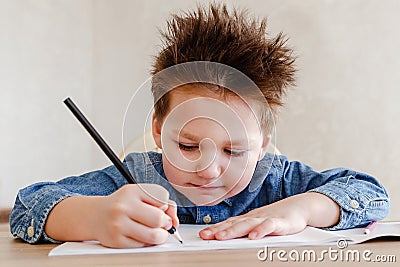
x=361, y=197
x=34, y=203
x=30, y=211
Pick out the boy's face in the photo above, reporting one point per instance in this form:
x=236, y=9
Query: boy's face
x=208, y=159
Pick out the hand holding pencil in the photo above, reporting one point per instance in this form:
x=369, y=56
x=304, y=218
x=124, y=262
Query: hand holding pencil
x=135, y=218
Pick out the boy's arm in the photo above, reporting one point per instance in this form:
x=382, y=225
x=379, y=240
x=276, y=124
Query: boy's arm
x=63, y=207
x=133, y=216
x=287, y=216
x=361, y=197
x=334, y=199
x=95, y=206
x=34, y=203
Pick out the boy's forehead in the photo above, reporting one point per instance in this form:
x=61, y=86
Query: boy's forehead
x=188, y=92
x=228, y=111
x=197, y=117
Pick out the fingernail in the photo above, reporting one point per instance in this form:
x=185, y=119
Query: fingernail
x=164, y=207
x=207, y=232
x=253, y=235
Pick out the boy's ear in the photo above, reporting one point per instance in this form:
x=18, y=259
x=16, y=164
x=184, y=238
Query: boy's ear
x=156, y=131
x=263, y=150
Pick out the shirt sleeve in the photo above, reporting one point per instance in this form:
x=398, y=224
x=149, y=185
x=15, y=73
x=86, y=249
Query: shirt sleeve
x=361, y=197
x=34, y=203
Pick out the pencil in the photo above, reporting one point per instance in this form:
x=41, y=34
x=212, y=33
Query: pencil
x=108, y=151
x=369, y=228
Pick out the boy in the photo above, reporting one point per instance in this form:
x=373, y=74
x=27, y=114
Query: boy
x=214, y=128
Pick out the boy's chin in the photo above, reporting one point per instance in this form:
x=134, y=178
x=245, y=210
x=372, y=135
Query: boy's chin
x=206, y=200
x=207, y=203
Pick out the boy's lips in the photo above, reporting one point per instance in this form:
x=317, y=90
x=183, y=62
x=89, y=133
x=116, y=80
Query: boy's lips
x=205, y=187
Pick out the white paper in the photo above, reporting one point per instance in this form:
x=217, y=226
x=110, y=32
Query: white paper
x=192, y=242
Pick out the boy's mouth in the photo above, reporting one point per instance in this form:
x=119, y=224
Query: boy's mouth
x=204, y=187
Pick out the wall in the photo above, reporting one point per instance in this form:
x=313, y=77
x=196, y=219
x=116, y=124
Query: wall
x=343, y=111
x=46, y=51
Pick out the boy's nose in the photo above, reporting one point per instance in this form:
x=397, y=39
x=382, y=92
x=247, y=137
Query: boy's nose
x=210, y=172
x=207, y=165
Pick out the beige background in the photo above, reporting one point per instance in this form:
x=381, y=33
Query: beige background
x=344, y=111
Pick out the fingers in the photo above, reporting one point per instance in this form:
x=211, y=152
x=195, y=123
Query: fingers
x=136, y=216
x=143, y=203
x=232, y=228
x=236, y=227
x=270, y=226
x=171, y=211
x=144, y=234
x=130, y=234
x=158, y=196
x=149, y=216
x=154, y=194
x=123, y=242
x=209, y=232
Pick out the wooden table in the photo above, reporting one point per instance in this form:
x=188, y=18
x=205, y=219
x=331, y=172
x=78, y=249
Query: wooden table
x=17, y=253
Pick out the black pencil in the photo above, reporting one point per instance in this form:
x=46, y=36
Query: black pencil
x=108, y=151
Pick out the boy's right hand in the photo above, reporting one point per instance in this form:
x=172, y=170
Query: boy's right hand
x=135, y=215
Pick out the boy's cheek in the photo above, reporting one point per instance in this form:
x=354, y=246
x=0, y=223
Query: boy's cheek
x=240, y=182
x=236, y=189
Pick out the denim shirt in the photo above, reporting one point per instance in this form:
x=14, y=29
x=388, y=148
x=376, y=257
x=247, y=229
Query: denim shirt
x=361, y=197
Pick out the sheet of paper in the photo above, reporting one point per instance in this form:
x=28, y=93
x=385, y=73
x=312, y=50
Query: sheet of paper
x=357, y=235
x=192, y=242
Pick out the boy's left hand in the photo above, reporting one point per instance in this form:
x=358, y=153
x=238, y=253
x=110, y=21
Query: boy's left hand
x=284, y=217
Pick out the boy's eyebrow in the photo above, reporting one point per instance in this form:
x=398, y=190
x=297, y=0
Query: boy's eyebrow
x=193, y=137
x=187, y=135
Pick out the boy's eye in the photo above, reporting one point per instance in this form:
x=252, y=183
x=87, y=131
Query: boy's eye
x=187, y=147
x=227, y=151
x=234, y=153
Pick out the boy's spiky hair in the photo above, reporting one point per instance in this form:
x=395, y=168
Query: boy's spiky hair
x=213, y=34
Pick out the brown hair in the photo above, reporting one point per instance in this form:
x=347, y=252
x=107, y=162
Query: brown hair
x=215, y=35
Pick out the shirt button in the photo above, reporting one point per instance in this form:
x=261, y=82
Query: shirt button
x=31, y=231
x=207, y=219
x=354, y=204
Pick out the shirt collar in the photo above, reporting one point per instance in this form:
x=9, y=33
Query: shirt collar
x=228, y=201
